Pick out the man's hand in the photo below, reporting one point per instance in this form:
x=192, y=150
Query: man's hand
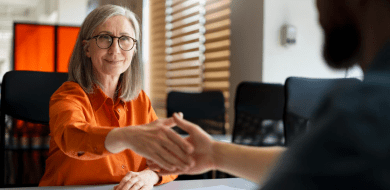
x=144, y=180
x=203, y=150
x=155, y=141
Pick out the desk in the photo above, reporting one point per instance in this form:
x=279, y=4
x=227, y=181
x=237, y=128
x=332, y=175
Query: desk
x=205, y=184
x=222, y=138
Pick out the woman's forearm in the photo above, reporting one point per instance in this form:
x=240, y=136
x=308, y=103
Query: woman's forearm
x=252, y=163
x=114, y=142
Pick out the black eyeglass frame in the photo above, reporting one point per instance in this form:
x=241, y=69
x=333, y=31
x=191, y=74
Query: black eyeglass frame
x=113, y=37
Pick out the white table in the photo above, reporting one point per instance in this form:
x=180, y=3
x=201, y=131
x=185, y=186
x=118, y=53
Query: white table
x=222, y=138
x=205, y=184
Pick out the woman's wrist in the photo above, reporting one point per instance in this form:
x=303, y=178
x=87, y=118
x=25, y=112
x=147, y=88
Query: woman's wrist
x=115, y=141
x=152, y=176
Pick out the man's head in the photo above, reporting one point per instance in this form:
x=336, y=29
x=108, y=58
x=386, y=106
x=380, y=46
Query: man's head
x=341, y=29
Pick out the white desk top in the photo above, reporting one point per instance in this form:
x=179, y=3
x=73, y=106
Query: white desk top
x=221, y=138
x=204, y=184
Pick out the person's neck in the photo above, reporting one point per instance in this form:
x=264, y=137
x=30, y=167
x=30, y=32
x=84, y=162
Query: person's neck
x=109, y=85
x=375, y=33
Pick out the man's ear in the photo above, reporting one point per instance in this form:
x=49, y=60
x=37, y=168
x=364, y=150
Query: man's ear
x=86, y=48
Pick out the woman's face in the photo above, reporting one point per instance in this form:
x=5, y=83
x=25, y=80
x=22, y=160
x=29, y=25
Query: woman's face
x=113, y=61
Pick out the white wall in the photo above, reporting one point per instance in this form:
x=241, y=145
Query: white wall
x=305, y=57
x=256, y=51
x=72, y=12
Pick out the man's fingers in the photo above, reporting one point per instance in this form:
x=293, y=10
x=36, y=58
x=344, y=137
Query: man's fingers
x=170, y=122
x=174, y=155
x=160, y=161
x=174, y=148
x=154, y=167
x=184, y=124
x=182, y=143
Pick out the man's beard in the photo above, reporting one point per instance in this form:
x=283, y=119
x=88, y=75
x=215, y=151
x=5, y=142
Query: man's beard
x=342, y=46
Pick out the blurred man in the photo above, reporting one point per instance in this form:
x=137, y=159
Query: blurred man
x=350, y=146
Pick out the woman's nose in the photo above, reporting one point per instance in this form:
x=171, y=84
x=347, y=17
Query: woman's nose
x=114, y=48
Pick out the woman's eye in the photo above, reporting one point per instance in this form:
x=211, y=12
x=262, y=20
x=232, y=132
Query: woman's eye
x=125, y=38
x=105, y=37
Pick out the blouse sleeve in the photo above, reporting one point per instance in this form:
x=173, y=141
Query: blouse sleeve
x=74, y=136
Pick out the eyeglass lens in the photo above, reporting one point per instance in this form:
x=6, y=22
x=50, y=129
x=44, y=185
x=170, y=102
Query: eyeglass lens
x=105, y=41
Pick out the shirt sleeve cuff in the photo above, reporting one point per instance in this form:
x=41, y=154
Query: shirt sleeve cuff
x=97, y=141
x=166, y=179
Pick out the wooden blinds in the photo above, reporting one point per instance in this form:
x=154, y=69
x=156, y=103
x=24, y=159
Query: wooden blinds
x=195, y=47
x=157, y=61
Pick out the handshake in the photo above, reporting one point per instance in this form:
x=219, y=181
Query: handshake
x=168, y=153
x=189, y=155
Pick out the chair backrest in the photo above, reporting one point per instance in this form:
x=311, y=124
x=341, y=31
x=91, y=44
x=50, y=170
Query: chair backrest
x=259, y=114
x=303, y=96
x=25, y=95
x=206, y=109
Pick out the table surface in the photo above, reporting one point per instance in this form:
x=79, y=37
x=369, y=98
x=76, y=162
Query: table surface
x=204, y=184
x=222, y=138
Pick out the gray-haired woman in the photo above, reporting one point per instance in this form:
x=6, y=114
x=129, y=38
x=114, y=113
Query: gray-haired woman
x=102, y=125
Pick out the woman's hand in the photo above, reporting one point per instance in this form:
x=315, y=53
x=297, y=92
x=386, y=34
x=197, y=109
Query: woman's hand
x=203, y=152
x=155, y=141
x=143, y=180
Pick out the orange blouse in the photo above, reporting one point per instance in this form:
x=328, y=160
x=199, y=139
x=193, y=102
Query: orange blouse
x=79, y=124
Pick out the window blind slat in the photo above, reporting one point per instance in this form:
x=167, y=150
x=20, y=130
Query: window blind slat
x=223, y=24
x=212, y=17
x=223, y=44
x=184, y=64
x=184, y=5
x=186, y=21
x=217, y=65
x=189, y=55
x=218, y=74
x=185, y=89
x=218, y=55
x=185, y=13
x=223, y=34
x=217, y=5
x=187, y=38
x=186, y=81
x=185, y=73
x=181, y=31
x=216, y=85
x=185, y=47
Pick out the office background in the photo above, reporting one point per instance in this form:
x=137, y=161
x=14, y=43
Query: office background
x=256, y=53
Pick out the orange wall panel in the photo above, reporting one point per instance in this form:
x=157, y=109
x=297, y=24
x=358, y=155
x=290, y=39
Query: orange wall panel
x=66, y=39
x=34, y=47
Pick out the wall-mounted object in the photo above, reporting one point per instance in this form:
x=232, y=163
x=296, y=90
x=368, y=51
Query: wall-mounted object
x=288, y=35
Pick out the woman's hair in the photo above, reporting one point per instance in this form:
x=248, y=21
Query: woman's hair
x=80, y=66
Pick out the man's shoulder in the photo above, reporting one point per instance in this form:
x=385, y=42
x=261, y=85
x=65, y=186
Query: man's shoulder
x=359, y=97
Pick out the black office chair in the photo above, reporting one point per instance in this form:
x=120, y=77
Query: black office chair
x=206, y=109
x=303, y=96
x=25, y=95
x=259, y=114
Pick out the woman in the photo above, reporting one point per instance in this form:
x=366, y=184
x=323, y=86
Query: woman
x=101, y=122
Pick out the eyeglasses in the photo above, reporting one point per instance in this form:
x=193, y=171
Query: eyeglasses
x=104, y=41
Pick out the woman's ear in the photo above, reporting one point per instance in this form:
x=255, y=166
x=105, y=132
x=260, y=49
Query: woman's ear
x=86, y=48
